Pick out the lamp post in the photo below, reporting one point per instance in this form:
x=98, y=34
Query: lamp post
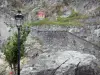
x=18, y=18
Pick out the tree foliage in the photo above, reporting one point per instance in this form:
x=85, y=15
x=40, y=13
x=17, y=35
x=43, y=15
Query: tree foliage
x=11, y=48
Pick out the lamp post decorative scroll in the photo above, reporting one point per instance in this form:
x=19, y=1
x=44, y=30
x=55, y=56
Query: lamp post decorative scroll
x=18, y=18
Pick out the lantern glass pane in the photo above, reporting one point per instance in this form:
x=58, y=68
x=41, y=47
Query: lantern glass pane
x=18, y=22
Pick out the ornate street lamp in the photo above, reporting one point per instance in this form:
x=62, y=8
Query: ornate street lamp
x=18, y=18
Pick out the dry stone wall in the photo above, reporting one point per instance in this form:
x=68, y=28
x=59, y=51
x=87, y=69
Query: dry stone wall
x=54, y=40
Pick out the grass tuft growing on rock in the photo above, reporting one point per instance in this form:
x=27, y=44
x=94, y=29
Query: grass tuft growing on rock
x=72, y=20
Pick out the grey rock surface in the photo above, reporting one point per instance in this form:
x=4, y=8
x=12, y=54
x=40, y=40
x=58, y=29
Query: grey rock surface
x=60, y=46
x=59, y=38
x=53, y=41
x=84, y=6
x=59, y=63
x=3, y=66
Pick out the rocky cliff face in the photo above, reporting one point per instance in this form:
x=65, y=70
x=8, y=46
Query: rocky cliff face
x=90, y=7
x=84, y=6
x=55, y=42
x=52, y=51
x=59, y=47
x=62, y=63
x=6, y=21
x=5, y=31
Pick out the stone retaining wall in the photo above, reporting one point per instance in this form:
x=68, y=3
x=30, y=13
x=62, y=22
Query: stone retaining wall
x=62, y=39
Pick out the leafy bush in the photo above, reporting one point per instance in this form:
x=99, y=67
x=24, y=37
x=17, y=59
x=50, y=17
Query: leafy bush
x=11, y=48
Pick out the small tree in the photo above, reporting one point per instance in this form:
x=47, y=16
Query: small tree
x=11, y=48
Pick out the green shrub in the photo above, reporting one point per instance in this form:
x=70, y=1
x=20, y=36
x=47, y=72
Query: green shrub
x=11, y=48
